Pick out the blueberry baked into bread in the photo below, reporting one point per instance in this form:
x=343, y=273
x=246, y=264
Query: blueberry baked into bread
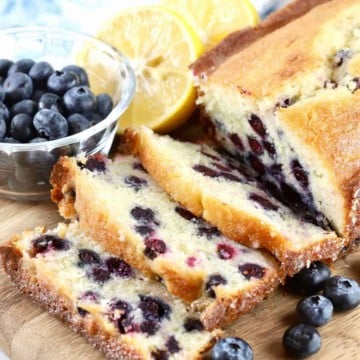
x=119, y=205
x=212, y=185
x=116, y=308
x=287, y=106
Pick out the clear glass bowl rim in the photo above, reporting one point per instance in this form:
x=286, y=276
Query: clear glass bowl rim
x=129, y=86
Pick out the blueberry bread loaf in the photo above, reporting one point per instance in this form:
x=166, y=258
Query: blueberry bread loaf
x=118, y=203
x=101, y=297
x=287, y=106
x=212, y=185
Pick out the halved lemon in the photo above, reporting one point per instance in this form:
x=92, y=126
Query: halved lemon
x=161, y=46
x=215, y=19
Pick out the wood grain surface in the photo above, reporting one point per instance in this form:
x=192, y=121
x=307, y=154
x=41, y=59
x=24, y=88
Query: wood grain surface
x=28, y=333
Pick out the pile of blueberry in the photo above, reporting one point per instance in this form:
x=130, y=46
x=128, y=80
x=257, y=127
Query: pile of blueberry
x=302, y=340
x=38, y=103
x=338, y=294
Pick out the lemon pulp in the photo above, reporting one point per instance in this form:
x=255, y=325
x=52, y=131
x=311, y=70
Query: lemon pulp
x=160, y=45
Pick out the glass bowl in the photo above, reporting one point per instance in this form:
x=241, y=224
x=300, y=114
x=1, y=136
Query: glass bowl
x=25, y=168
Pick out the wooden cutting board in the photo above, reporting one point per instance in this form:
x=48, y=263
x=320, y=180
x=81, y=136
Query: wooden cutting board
x=29, y=333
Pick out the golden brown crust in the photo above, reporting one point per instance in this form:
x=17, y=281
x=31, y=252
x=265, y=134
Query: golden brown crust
x=337, y=145
x=62, y=193
x=244, y=228
x=226, y=310
x=239, y=226
x=239, y=40
x=59, y=305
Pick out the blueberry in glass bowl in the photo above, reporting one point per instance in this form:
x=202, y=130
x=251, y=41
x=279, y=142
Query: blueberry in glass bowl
x=61, y=93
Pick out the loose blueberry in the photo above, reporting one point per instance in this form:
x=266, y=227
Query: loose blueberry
x=118, y=267
x=192, y=324
x=250, y=270
x=80, y=72
x=301, y=341
x=309, y=280
x=40, y=72
x=343, y=292
x=52, y=102
x=315, y=310
x=232, y=348
x=77, y=123
x=104, y=105
x=153, y=247
x=135, y=182
x=48, y=242
x=5, y=65
x=88, y=257
x=17, y=86
x=257, y=125
x=213, y=281
x=26, y=106
x=50, y=124
x=2, y=127
x=144, y=215
x=59, y=82
x=21, y=66
x=22, y=127
x=80, y=99
x=265, y=203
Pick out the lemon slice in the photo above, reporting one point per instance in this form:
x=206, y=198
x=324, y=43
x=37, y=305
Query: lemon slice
x=160, y=45
x=215, y=19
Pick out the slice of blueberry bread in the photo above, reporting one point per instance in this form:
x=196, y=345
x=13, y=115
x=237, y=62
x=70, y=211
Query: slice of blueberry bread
x=287, y=106
x=118, y=203
x=116, y=308
x=212, y=185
